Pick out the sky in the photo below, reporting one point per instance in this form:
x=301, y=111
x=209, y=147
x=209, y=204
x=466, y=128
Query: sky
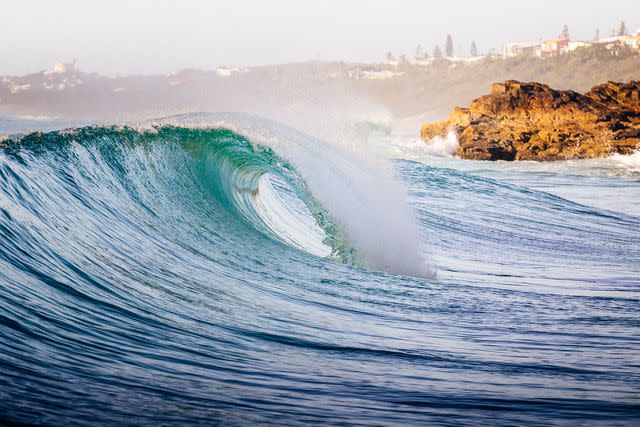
x=144, y=36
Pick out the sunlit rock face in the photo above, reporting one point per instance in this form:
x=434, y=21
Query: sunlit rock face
x=531, y=121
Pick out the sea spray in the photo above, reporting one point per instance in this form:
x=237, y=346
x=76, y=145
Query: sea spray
x=369, y=204
x=442, y=146
x=630, y=163
x=410, y=147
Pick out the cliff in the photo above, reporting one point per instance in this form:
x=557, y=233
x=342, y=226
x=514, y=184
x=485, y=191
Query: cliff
x=531, y=121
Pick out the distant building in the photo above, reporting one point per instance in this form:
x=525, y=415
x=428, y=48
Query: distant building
x=228, y=72
x=62, y=68
x=632, y=41
x=372, y=73
x=176, y=79
x=559, y=46
x=573, y=45
x=554, y=47
x=526, y=49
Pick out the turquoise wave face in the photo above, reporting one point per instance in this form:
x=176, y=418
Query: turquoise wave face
x=233, y=175
x=192, y=275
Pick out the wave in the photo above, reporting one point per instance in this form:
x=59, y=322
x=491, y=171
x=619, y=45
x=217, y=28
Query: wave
x=233, y=174
x=237, y=161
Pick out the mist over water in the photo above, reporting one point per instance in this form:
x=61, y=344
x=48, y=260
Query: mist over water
x=369, y=204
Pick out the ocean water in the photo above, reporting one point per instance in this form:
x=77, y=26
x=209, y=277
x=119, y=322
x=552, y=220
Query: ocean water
x=224, y=269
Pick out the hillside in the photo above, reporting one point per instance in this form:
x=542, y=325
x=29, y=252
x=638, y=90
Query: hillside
x=437, y=89
x=307, y=91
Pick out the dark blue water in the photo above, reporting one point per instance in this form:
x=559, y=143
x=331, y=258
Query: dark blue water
x=172, y=277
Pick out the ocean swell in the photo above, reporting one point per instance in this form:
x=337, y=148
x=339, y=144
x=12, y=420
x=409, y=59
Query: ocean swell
x=202, y=271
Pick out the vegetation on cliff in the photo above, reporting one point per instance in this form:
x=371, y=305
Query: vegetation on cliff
x=434, y=90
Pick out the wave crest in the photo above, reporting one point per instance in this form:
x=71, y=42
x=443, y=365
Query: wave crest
x=329, y=204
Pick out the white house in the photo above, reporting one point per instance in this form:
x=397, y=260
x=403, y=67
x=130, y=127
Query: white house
x=633, y=41
x=228, y=72
x=372, y=73
x=573, y=45
x=62, y=68
x=512, y=50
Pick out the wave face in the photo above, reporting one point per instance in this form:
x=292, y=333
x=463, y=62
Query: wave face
x=175, y=274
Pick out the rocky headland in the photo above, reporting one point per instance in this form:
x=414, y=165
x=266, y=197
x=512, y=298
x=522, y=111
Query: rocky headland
x=531, y=121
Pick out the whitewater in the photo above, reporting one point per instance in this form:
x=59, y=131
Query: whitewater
x=229, y=269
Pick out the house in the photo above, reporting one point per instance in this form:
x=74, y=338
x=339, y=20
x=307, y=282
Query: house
x=372, y=73
x=554, y=47
x=632, y=41
x=526, y=49
x=575, y=45
x=62, y=68
x=225, y=72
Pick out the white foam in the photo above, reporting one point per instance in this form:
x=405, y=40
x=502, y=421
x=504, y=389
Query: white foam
x=442, y=146
x=631, y=162
x=294, y=228
x=370, y=205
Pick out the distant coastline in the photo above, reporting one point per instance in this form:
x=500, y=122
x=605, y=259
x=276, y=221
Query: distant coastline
x=427, y=90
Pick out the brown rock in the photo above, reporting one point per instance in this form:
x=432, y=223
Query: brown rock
x=531, y=121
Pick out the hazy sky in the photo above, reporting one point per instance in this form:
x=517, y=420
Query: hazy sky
x=143, y=36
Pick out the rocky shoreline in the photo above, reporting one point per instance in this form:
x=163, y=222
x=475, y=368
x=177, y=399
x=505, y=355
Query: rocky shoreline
x=531, y=121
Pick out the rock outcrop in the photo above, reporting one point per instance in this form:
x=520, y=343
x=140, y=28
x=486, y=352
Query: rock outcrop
x=531, y=121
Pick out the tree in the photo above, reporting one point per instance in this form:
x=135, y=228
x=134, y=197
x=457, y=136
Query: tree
x=565, y=32
x=449, y=46
x=419, y=52
x=437, y=53
x=474, y=49
x=623, y=29
x=596, y=38
x=389, y=57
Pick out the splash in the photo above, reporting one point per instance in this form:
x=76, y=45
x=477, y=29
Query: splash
x=442, y=146
x=630, y=163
